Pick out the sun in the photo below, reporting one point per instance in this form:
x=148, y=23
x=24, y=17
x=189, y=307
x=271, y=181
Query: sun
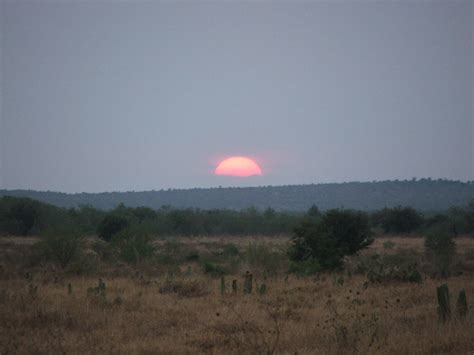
x=238, y=166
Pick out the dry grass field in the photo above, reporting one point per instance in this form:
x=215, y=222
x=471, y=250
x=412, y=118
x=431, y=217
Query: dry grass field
x=149, y=309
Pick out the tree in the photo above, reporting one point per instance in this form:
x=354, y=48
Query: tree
x=313, y=211
x=22, y=215
x=111, y=225
x=328, y=240
x=398, y=219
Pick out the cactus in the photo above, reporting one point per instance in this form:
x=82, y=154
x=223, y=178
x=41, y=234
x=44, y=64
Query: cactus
x=222, y=285
x=444, y=308
x=262, y=289
x=69, y=289
x=234, y=286
x=248, y=283
x=461, y=304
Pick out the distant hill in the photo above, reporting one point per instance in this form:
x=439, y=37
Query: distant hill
x=424, y=194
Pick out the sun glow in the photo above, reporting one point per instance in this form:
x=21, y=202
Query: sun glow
x=238, y=166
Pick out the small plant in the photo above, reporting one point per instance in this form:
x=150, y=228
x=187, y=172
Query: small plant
x=388, y=244
x=234, y=287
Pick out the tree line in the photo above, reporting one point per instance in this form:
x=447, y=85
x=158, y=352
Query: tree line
x=25, y=216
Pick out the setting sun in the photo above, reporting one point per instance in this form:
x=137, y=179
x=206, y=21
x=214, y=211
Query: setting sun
x=238, y=166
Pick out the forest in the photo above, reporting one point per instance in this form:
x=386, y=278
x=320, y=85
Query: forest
x=423, y=194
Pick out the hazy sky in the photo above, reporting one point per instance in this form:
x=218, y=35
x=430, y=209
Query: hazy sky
x=102, y=95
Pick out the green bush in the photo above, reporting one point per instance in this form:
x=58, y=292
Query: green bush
x=59, y=248
x=133, y=247
x=401, y=267
x=338, y=233
x=305, y=268
x=440, y=249
x=230, y=250
x=213, y=269
x=111, y=225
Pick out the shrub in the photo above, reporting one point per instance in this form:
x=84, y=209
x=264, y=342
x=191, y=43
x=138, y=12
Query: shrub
x=110, y=226
x=305, y=268
x=133, y=247
x=192, y=256
x=327, y=241
x=401, y=267
x=183, y=288
x=230, y=250
x=59, y=249
x=440, y=250
x=214, y=270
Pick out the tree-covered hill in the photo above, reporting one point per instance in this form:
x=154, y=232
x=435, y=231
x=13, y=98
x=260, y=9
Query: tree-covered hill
x=424, y=195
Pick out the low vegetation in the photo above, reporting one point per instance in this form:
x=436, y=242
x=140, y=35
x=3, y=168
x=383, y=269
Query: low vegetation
x=170, y=303
x=23, y=216
x=333, y=285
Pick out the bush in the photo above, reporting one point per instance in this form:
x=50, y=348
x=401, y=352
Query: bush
x=214, y=270
x=59, y=249
x=328, y=240
x=305, y=268
x=230, y=250
x=132, y=247
x=440, y=249
x=402, y=267
x=183, y=288
x=110, y=226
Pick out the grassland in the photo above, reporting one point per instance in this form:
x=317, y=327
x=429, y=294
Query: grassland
x=175, y=304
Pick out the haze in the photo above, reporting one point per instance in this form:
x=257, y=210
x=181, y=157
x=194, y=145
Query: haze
x=102, y=96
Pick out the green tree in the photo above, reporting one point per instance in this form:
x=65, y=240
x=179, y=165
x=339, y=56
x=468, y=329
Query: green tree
x=111, y=225
x=398, y=219
x=326, y=241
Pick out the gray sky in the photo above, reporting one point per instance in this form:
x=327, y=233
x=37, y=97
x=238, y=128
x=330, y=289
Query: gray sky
x=102, y=96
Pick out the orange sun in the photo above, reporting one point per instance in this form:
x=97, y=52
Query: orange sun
x=238, y=166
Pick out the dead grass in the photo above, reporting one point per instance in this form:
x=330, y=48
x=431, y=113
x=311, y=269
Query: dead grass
x=187, y=314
